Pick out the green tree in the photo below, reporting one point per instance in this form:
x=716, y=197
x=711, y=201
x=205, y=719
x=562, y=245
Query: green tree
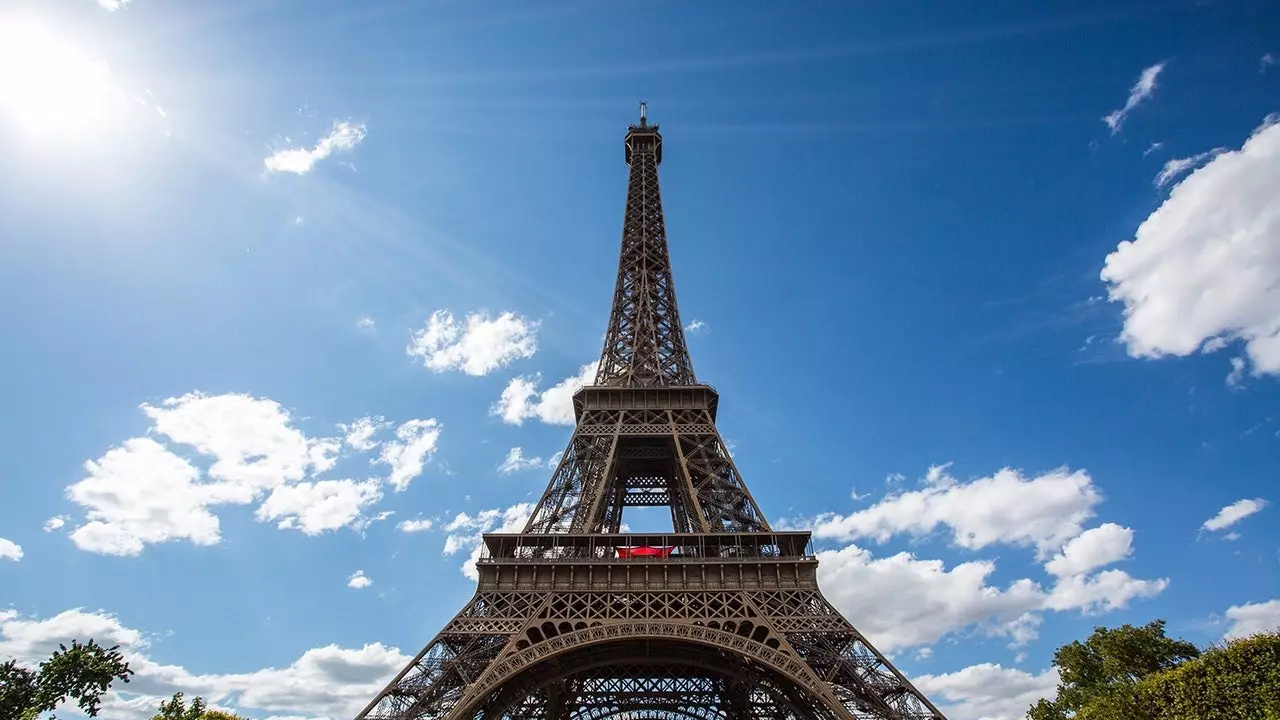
x=1236, y=681
x=1098, y=676
x=176, y=709
x=82, y=672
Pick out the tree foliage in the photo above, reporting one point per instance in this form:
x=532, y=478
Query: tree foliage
x=1137, y=673
x=82, y=672
x=18, y=687
x=1239, y=681
x=175, y=708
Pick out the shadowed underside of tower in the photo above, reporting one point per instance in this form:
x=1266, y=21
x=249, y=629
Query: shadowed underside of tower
x=575, y=620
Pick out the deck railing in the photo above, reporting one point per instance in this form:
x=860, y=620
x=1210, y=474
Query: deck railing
x=645, y=547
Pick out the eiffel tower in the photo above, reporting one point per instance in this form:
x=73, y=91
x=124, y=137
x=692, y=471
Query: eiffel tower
x=574, y=619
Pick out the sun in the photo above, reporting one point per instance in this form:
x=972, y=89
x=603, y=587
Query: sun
x=48, y=87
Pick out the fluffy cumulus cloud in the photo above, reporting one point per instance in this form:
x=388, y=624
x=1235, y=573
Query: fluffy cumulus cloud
x=315, y=507
x=1234, y=513
x=521, y=400
x=415, y=443
x=1203, y=270
x=987, y=691
x=931, y=601
x=252, y=440
x=515, y=461
x=1141, y=90
x=928, y=600
x=1007, y=508
x=1252, y=618
x=146, y=491
x=343, y=136
x=359, y=580
x=141, y=493
x=57, y=522
x=10, y=550
x=327, y=681
x=465, y=531
x=1094, y=548
x=477, y=346
x=1106, y=591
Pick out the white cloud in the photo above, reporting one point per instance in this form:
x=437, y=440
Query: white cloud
x=342, y=136
x=987, y=691
x=465, y=531
x=479, y=348
x=1044, y=511
x=415, y=443
x=516, y=461
x=1266, y=61
x=1106, y=591
x=139, y=494
x=359, y=434
x=314, y=507
x=112, y=5
x=415, y=525
x=1140, y=91
x=930, y=601
x=1234, y=513
x=1152, y=148
x=328, y=681
x=522, y=401
x=1094, y=548
x=362, y=523
x=10, y=550
x=1204, y=268
x=1235, y=378
x=56, y=522
x=1176, y=167
x=252, y=440
x=1252, y=618
x=695, y=326
x=367, y=324
x=358, y=580
x=322, y=454
x=142, y=492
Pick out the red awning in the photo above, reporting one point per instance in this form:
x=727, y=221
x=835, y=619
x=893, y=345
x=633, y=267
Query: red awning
x=635, y=552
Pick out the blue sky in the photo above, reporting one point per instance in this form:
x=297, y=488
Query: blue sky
x=989, y=295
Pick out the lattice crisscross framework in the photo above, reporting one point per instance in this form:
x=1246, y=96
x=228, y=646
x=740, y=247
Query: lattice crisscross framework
x=727, y=621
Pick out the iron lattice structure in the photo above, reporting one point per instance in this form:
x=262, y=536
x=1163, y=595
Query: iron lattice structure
x=721, y=619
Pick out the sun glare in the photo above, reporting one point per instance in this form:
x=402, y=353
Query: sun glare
x=48, y=87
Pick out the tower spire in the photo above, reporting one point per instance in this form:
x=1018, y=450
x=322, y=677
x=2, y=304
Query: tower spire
x=644, y=345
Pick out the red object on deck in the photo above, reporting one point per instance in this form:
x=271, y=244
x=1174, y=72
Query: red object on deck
x=659, y=552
